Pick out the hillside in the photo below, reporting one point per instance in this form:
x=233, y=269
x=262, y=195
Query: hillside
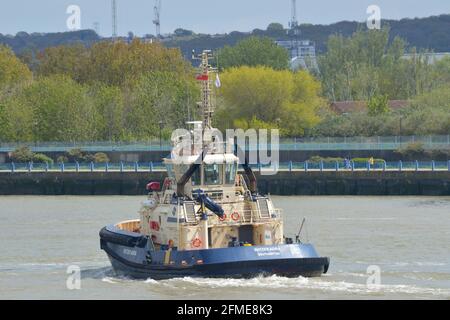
x=426, y=33
x=429, y=33
x=23, y=41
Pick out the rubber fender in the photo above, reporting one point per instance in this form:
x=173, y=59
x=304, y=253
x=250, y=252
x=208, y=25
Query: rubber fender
x=122, y=239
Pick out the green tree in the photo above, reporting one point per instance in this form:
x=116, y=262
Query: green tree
x=61, y=110
x=16, y=118
x=254, y=51
x=429, y=113
x=3, y=122
x=378, y=105
x=158, y=97
x=70, y=60
x=112, y=63
x=179, y=32
x=261, y=97
x=276, y=30
x=12, y=70
x=275, y=26
x=369, y=64
x=441, y=72
x=109, y=111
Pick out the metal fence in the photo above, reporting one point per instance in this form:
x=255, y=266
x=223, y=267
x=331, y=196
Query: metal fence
x=284, y=166
x=286, y=144
x=364, y=143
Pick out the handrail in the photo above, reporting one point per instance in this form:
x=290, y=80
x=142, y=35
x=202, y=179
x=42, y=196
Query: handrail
x=243, y=214
x=284, y=166
x=285, y=144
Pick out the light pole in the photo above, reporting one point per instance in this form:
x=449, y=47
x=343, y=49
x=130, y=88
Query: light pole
x=160, y=134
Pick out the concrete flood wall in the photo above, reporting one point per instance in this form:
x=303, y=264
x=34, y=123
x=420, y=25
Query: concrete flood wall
x=357, y=183
x=83, y=183
x=284, y=183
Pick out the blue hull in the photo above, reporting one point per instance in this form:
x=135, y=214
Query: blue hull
x=131, y=256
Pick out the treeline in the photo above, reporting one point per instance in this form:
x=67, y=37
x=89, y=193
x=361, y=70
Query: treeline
x=369, y=64
x=365, y=67
x=429, y=33
x=24, y=43
x=368, y=67
x=120, y=91
x=108, y=92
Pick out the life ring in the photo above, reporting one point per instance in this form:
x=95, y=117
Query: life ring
x=235, y=216
x=196, y=242
x=154, y=225
x=223, y=217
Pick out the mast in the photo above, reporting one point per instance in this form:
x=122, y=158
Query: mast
x=206, y=77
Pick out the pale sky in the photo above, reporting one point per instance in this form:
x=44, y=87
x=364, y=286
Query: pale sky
x=201, y=16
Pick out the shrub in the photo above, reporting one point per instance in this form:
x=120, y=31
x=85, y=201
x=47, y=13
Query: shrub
x=440, y=154
x=412, y=151
x=326, y=159
x=75, y=155
x=89, y=158
x=42, y=158
x=365, y=160
x=22, y=154
x=63, y=159
x=101, y=157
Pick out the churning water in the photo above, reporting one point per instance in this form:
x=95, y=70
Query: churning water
x=406, y=238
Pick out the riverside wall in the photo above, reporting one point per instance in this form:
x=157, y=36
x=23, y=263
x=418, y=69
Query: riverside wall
x=284, y=183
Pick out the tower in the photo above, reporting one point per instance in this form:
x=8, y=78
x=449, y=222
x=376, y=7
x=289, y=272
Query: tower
x=293, y=24
x=157, y=20
x=114, y=19
x=302, y=52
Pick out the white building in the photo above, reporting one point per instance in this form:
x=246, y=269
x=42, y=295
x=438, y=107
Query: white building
x=301, y=52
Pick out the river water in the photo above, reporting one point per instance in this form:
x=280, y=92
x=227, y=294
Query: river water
x=406, y=239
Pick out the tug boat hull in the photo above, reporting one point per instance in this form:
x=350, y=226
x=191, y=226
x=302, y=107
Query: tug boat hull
x=214, y=215
x=132, y=255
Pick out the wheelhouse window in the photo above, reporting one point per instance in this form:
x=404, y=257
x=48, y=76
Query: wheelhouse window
x=230, y=173
x=212, y=174
x=196, y=178
x=170, y=172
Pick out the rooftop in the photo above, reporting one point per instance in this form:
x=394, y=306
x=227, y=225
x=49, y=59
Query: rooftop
x=342, y=107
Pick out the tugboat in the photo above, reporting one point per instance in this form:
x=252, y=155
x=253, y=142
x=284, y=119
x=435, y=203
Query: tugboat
x=207, y=219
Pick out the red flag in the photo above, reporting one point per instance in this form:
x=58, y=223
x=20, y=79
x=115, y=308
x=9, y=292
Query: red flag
x=202, y=77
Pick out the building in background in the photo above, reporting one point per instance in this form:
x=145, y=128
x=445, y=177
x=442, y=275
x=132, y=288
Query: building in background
x=302, y=53
x=346, y=107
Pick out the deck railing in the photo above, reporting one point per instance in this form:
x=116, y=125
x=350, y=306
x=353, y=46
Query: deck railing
x=307, y=166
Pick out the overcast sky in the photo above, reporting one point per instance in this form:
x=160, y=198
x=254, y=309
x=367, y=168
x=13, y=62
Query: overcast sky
x=206, y=16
